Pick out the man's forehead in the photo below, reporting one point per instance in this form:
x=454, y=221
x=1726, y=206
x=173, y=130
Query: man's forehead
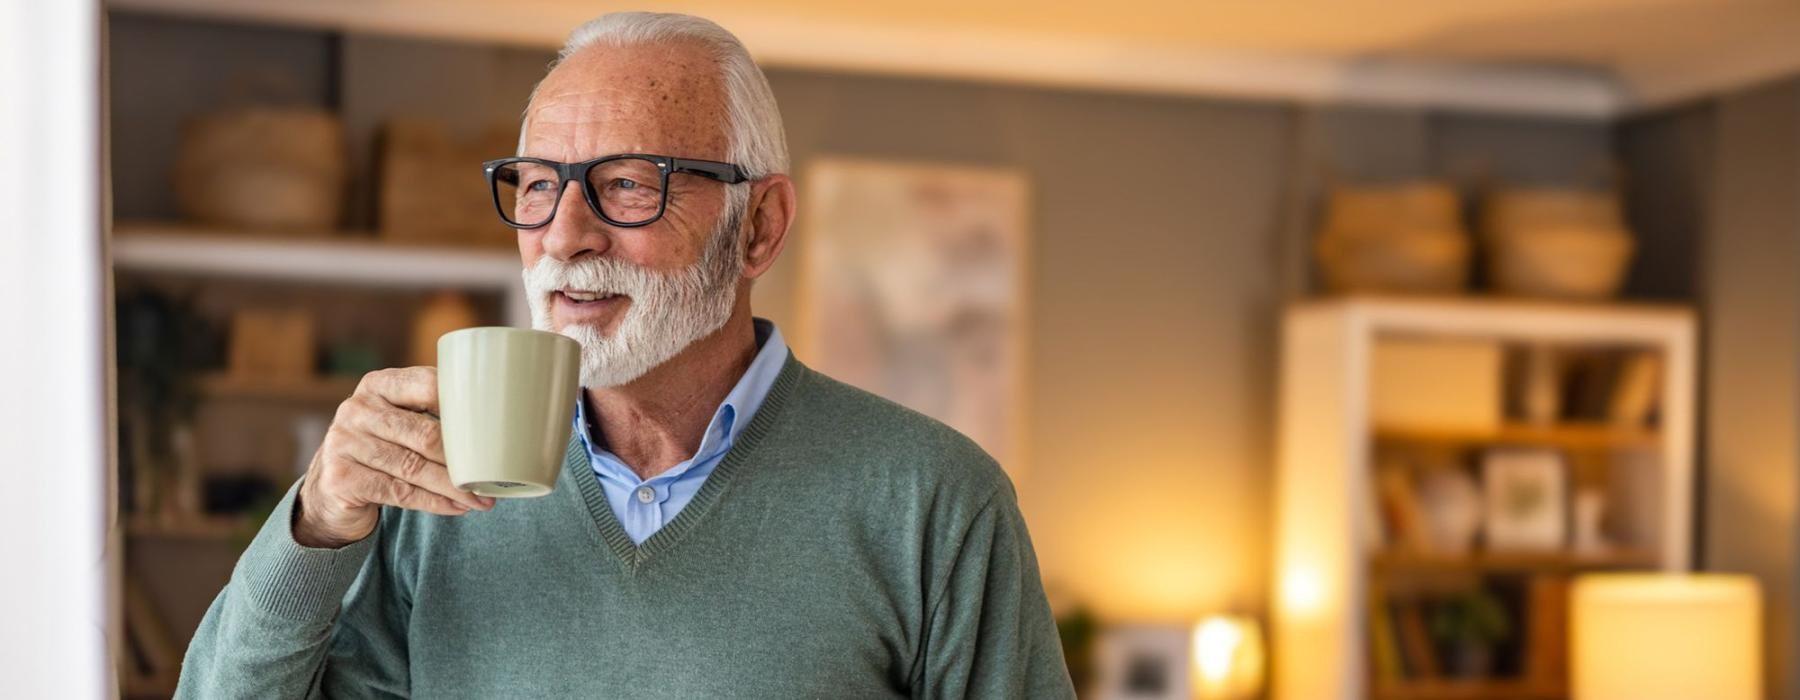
x=654, y=93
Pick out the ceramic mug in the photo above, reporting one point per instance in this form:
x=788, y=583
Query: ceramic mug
x=506, y=399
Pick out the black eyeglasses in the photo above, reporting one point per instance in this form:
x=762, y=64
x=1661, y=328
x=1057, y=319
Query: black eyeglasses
x=627, y=190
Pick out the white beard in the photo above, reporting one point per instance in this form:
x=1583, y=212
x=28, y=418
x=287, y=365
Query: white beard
x=668, y=311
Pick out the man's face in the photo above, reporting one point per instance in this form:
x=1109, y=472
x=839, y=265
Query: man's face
x=671, y=281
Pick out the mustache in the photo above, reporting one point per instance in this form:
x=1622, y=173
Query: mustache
x=601, y=275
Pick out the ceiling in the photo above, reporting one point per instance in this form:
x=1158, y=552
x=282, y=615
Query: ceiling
x=1580, y=57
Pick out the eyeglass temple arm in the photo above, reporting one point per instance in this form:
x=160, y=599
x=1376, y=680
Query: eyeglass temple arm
x=723, y=172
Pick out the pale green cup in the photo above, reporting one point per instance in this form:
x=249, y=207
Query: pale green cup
x=506, y=399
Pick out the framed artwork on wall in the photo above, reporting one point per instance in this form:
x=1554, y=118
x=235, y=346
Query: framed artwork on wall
x=913, y=287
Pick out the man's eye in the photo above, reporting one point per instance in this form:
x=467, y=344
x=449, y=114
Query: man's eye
x=540, y=185
x=625, y=184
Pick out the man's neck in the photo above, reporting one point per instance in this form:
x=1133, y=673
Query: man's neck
x=657, y=420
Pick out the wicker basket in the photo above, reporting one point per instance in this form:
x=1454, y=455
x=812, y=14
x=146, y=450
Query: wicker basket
x=431, y=188
x=1556, y=243
x=1395, y=239
x=262, y=168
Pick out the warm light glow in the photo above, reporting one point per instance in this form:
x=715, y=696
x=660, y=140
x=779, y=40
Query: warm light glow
x=1666, y=637
x=1176, y=552
x=1215, y=642
x=1302, y=590
x=1228, y=658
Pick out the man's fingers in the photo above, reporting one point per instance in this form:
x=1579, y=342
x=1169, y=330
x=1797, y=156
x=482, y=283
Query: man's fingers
x=410, y=429
x=384, y=489
x=412, y=388
x=398, y=462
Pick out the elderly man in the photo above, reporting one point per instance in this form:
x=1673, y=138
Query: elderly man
x=730, y=523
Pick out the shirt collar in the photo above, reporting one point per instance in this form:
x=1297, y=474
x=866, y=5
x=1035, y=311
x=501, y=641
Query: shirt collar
x=729, y=419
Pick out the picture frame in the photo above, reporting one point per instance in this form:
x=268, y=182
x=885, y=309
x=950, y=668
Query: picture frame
x=913, y=286
x=1526, y=499
x=1142, y=662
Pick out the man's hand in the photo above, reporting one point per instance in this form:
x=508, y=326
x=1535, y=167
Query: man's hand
x=383, y=448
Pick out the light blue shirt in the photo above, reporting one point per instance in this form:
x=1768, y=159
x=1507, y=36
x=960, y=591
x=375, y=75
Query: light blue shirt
x=644, y=506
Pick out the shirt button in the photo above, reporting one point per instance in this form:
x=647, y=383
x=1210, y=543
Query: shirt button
x=646, y=494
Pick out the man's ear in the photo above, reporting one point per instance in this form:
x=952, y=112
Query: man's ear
x=772, y=204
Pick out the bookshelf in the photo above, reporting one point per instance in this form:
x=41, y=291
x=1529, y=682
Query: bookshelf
x=196, y=527
x=1400, y=419
x=328, y=390
x=246, y=426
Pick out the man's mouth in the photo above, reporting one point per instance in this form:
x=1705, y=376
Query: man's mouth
x=576, y=306
x=582, y=297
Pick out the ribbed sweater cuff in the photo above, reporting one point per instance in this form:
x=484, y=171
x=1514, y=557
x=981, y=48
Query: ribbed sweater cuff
x=287, y=579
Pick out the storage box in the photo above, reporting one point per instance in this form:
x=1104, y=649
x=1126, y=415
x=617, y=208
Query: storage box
x=1436, y=385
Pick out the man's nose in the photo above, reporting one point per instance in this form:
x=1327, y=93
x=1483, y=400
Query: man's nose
x=575, y=231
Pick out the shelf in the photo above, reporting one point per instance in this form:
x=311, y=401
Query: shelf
x=1570, y=436
x=177, y=248
x=1468, y=690
x=1405, y=561
x=315, y=390
x=198, y=527
x=135, y=686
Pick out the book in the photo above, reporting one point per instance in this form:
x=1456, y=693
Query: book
x=1635, y=392
x=1546, y=631
x=1404, y=520
x=1385, y=648
x=1416, y=647
x=1590, y=381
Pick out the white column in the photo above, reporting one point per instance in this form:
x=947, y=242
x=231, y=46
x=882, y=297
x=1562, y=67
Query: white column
x=53, y=426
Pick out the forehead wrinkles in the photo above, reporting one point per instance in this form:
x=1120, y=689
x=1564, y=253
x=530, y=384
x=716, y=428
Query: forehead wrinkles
x=604, y=99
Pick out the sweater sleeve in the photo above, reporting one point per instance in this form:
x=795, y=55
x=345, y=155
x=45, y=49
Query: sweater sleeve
x=991, y=633
x=297, y=621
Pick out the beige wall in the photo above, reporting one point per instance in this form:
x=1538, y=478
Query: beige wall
x=1752, y=310
x=1151, y=316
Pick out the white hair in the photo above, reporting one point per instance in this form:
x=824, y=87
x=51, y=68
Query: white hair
x=756, y=141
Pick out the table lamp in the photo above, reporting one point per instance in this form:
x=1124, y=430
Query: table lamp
x=1666, y=637
x=1228, y=658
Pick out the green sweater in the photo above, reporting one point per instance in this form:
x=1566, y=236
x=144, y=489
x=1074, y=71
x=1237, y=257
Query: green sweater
x=846, y=547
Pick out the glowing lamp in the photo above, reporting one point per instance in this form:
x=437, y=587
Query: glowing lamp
x=1228, y=658
x=1666, y=637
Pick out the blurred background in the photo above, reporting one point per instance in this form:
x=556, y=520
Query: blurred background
x=1337, y=349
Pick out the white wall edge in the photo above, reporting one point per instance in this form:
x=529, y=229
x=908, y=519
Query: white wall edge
x=54, y=434
x=1034, y=59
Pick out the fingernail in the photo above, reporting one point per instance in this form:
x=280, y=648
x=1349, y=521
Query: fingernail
x=488, y=501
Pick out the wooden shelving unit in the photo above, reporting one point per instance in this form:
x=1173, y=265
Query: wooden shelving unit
x=1337, y=560
x=191, y=528
x=1576, y=436
x=335, y=258
x=244, y=425
x=315, y=390
x=147, y=686
x=1525, y=562
x=1468, y=690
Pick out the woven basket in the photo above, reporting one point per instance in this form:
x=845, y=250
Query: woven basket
x=1394, y=239
x=431, y=190
x=262, y=168
x=1556, y=243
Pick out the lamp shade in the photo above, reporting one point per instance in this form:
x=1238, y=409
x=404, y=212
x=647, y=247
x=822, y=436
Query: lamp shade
x=1228, y=658
x=1666, y=637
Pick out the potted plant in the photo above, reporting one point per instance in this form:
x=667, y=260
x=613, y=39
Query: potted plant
x=1468, y=626
x=1077, y=628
